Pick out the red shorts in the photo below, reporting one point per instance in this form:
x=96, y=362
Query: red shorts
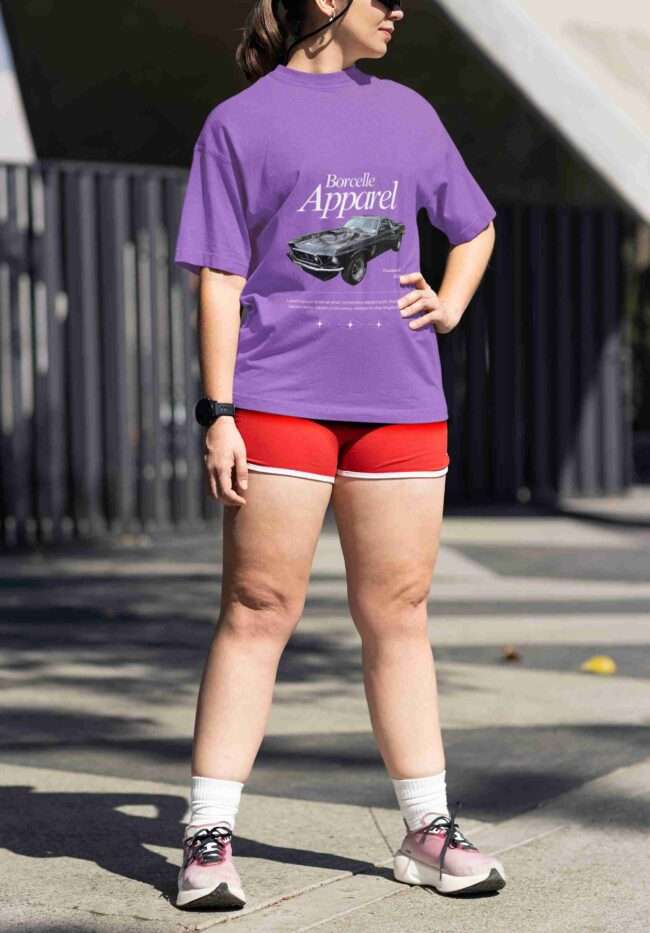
x=320, y=449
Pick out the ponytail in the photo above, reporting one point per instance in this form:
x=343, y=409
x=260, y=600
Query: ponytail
x=264, y=43
x=267, y=27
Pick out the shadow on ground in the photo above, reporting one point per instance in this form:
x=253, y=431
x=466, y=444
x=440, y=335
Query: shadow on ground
x=497, y=773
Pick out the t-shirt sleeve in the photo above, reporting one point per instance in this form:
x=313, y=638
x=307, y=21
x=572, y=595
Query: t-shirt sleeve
x=212, y=230
x=454, y=201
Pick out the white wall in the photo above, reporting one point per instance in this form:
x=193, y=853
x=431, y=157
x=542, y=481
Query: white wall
x=15, y=138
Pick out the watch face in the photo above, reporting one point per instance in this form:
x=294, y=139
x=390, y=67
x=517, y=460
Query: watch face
x=204, y=412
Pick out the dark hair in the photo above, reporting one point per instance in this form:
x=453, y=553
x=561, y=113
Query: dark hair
x=267, y=27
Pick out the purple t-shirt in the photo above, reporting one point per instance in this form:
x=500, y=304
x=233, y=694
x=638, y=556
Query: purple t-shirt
x=309, y=185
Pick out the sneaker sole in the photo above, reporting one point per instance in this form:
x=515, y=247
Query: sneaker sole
x=221, y=896
x=410, y=871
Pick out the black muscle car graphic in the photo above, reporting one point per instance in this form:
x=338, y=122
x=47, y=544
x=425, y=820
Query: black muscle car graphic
x=346, y=249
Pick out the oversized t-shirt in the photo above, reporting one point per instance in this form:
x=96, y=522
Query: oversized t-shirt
x=309, y=185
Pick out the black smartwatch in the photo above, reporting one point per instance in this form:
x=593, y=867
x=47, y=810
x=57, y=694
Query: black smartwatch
x=207, y=410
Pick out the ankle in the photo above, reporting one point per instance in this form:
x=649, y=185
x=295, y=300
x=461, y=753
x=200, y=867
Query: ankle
x=213, y=801
x=421, y=799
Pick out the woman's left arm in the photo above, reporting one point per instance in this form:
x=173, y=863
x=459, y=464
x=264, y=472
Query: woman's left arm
x=466, y=264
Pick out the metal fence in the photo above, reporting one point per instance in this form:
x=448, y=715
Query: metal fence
x=99, y=365
x=537, y=376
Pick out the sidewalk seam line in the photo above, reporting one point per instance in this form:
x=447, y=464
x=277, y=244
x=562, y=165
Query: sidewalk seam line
x=525, y=842
x=380, y=830
x=351, y=910
x=284, y=897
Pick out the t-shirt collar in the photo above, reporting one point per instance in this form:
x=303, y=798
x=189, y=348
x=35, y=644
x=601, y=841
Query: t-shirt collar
x=317, y=79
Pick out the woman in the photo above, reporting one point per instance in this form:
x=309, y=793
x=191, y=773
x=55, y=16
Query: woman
x=301, y=209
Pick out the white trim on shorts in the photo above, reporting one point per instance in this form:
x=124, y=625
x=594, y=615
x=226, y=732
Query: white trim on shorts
x=285, y=471
x=393, y=475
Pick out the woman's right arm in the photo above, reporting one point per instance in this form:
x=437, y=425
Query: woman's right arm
x=218, y=332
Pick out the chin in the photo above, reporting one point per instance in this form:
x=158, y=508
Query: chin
x=375, y=51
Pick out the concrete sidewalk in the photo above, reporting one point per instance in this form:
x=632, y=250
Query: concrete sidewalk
x=103, y=648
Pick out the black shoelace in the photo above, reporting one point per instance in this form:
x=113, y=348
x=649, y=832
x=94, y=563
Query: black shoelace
x=207, y=843
x=453, y=836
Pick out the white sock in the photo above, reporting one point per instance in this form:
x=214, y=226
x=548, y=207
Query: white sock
x=214, y=800
x=421, y=797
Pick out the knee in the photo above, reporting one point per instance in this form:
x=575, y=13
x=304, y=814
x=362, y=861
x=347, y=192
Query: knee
x=259, y=609
x=394, y=608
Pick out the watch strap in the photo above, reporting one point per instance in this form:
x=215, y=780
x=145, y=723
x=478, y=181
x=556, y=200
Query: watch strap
x=207, y=410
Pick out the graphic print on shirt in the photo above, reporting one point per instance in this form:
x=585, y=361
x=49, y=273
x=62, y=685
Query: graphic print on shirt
x=347, y=254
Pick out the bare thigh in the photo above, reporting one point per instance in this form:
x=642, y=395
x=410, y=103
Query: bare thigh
x=390, y=537
x=269, y=544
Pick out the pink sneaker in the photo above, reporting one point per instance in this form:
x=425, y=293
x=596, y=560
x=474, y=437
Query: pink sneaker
x=438, y=855
x=208, y=877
